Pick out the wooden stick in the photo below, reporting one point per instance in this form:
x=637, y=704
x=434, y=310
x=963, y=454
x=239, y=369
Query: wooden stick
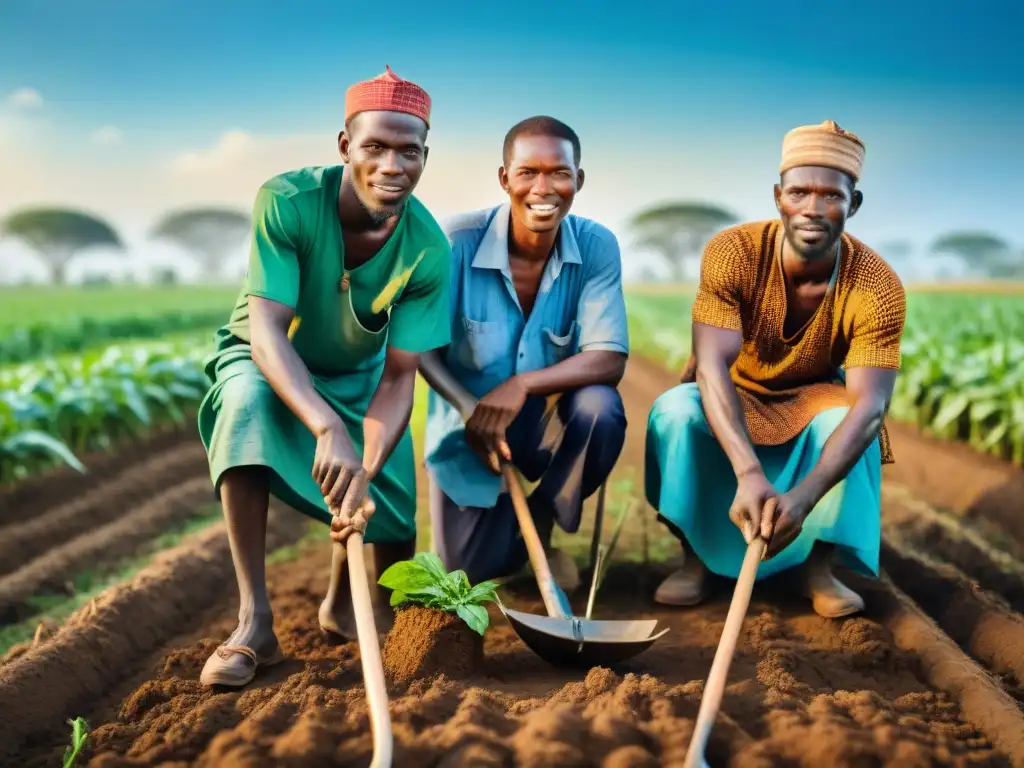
x=554, y=599
x=598, y=527
x=715, y=687
x=369, y=654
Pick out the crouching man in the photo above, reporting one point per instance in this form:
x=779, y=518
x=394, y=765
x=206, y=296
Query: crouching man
x=313, y=376
x=796, y=338
x=539, y=343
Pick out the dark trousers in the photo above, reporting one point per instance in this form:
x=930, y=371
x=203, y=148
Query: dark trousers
x=569, y=443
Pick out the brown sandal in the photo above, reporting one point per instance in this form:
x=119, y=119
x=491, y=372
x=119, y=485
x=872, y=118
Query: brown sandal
x=219, y=669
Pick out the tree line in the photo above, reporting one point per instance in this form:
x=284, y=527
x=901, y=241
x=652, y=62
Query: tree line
x=58, y=234
x=676, y=231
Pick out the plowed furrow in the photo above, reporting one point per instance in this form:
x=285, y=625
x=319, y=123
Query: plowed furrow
x=978, y=621
x=26, y=499
x=102, y=644
x=982, y=700
x=103, y=545
x=22, y=542
x=951, y=540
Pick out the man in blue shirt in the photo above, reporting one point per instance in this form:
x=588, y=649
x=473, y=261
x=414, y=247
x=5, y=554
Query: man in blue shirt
x=539, y=343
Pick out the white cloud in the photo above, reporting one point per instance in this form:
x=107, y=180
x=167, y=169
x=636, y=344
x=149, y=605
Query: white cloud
x=25, y=98
x=107, y=135
x=232, y=148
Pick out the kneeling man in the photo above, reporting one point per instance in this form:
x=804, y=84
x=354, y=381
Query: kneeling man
x=796, y=338
x=539, y=343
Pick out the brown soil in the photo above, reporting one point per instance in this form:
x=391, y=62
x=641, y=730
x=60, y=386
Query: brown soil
x=885, y=688
x=25, y=499
x=79, y=514
x=945, y=537
x=106, y=544
x=954, y=476
x=100, y=643
x=977, y=620
x=802, y=690
x=426, y=642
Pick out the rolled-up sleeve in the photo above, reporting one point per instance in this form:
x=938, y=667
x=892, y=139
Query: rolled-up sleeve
x=602, y=307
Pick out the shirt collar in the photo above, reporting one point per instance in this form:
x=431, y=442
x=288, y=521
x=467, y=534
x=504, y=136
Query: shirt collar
x=492, y=253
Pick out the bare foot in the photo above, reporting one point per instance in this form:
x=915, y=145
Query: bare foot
x=337, y=617
x=830, y=597
x=686, y=585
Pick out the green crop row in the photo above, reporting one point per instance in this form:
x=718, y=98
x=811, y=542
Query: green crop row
x=962, y=374
x=45, y=339
x=962, y=371
x=53, y=411
x=59, y=305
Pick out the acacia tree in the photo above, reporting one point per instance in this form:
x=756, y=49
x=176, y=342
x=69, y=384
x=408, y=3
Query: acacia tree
x=982, y=253
x=210, y=233
x=57, y=234
x=678, y=231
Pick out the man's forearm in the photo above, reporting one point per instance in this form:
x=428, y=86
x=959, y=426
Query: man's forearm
x=386, y=419
x=442, y=381
x=581, y=370
x=289, y=378
x=724, y=413
x=844, y=448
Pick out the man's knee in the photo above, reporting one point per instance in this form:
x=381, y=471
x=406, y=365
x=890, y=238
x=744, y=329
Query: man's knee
x=249, y=392
x=242, y=487
x=599, y=405
x=678, y=409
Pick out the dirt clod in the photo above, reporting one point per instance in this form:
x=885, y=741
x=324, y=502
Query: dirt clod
x=425, y=642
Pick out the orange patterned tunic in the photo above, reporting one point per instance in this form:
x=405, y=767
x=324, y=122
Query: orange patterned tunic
x=784, y=383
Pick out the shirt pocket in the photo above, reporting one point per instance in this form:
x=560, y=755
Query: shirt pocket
x=558, y=348
x=480, y=344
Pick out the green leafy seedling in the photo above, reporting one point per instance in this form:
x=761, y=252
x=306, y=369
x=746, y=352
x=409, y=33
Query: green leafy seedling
x=79, y=733
x=424, y=581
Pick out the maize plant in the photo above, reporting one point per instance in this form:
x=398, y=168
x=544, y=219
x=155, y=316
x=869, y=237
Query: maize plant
x=962, y=372
x=53, y=411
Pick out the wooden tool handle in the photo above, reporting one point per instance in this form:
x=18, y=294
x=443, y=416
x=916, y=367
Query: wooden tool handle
x=534, y=548
x=715, y=686
x=369, y=653
x=595, y=541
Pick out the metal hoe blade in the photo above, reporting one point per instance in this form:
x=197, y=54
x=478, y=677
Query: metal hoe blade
x=561, y=638
x=575, y=642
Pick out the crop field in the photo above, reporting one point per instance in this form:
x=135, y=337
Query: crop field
x=37, y=322
x=116, y=581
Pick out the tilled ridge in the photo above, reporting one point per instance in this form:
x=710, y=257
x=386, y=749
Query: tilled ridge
x=25, y=499
x=105, y=544
x=925, y=528
x=978, y=621
x=982, y=700
x=102, y=643
x=21, y=542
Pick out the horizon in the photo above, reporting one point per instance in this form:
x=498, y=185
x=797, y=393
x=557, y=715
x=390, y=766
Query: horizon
x=175, y=106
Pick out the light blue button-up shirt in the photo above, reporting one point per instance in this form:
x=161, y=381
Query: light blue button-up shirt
x=579, y=306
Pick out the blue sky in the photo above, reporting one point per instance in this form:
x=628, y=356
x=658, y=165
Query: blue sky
x=147, y=105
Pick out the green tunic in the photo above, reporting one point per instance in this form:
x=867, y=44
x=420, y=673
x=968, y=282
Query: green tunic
x=400, y=297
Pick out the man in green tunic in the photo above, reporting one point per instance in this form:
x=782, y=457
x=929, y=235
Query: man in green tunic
x=313, y=375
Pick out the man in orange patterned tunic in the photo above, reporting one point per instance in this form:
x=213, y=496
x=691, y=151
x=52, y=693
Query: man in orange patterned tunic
x=778, y=429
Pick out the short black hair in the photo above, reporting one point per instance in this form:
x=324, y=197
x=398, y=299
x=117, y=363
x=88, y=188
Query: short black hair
x=540, y=125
